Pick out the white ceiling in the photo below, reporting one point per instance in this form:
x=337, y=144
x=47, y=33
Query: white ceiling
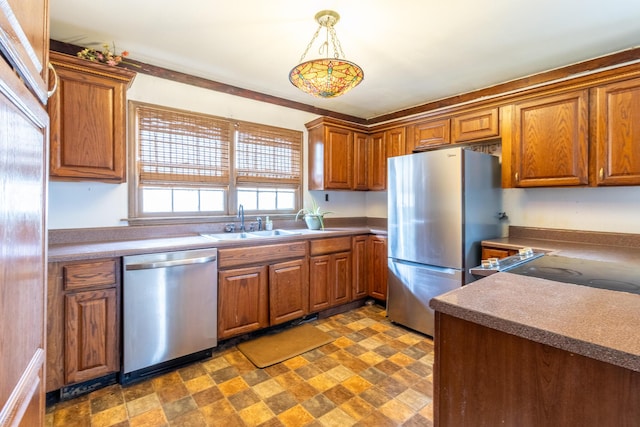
x=412, y=51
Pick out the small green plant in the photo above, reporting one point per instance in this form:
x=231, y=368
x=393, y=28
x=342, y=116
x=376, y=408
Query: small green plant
x=313, y=215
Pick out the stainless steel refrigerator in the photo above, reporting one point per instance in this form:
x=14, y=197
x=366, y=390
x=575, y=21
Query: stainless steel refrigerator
x=441, y=205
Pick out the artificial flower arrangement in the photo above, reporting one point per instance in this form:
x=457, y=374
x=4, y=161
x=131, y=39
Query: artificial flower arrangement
x=107, y=56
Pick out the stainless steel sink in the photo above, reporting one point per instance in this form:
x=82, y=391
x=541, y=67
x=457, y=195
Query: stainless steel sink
x=273, y=233
x=250, y=235
x=230, y=236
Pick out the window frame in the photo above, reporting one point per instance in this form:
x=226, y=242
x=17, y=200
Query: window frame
x=230, y=188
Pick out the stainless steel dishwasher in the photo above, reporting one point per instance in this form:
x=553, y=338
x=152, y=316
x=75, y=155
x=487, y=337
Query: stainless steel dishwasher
x=170, y=311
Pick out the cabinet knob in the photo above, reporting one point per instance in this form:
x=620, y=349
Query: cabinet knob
x=517, y=177
x=601, y=173
x=55, y=81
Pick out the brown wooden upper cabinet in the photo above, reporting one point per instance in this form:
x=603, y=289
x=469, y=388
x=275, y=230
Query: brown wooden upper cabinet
x=382, y=145
x=377, y=162
x=330, y=157
x=395, y=141
x=616, y=134
x=469, y=127
x=342, y=157
x=475, y=126
x=88, y=120
x=360, y=161
x=431, y=134
x=549, y=140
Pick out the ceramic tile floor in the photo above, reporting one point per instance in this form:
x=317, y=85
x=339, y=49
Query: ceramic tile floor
x=375, y=373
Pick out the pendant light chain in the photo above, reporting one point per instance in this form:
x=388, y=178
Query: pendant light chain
x=337, y=48
x=315, y=36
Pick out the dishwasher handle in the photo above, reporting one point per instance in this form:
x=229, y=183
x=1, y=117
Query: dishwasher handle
x=171, y=263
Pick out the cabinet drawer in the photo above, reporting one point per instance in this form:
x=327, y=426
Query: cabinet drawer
x=475, y=126
x=234, y=257
x=327, y=246
x=432, y=133
x=490, y=252
x=98, y=273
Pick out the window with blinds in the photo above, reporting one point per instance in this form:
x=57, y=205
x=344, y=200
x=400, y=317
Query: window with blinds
x=267, y=154
x=190, y=164
x=182, y=147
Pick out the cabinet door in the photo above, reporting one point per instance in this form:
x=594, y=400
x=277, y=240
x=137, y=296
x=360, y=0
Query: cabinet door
x=377, y=259
x=617, y=134
x=395, y=140
x=360, y=163
x=288, y=290
x=91, y=335
x=359, y=270
x=431, y=134
x=550, y=141
x=23, y=230
x=475, y=126
x=340, y=279
x=242, y=301
x=377, y=162
x=88, y=120
x=319, y=279
x=338, y=158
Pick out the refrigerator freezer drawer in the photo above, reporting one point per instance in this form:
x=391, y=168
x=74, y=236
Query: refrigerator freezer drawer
x=411, y=286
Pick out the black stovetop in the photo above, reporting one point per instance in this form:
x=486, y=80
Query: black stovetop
x=596, y=274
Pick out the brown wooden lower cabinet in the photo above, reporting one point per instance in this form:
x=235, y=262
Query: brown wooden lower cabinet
x=330, y=280
x=330, y=269
x=261, y=286
x=83, y=321
x=243, y=303
x=360, y=267
x=91, y=349
x=377, y=266
x=288, y=290
x=319, y=279
x=484, y=377
x=491, y=252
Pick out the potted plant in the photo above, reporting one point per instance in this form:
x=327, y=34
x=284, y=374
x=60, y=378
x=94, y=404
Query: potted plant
x=314, y=217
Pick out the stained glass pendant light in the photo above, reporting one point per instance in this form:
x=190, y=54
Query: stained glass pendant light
x=330, y=76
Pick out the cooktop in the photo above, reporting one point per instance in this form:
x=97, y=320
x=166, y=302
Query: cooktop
x=596, y=274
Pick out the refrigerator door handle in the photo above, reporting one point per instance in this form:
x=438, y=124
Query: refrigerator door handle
x=444, y=270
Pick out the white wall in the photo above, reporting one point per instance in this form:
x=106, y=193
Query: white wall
x=610, y=209
x=87, y=204
x=84, y=204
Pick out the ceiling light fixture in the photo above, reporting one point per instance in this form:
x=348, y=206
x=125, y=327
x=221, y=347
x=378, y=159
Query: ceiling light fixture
x=331, y=76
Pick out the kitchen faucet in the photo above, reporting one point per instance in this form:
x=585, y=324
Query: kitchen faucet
x=241, y=216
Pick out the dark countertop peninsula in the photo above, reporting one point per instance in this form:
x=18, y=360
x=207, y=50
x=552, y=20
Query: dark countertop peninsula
x=596, y=323
x=520, y=350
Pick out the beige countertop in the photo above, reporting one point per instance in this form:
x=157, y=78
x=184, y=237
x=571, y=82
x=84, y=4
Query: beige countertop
x=116, y=248
x=596, y=323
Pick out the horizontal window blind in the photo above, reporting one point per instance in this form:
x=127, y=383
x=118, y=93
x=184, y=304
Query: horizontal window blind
x=266, y=154
x=182, y=147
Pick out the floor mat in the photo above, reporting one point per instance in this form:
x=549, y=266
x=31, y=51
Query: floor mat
x=271, y=349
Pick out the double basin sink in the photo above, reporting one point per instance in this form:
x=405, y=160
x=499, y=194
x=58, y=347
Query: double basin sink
x=251, y=235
